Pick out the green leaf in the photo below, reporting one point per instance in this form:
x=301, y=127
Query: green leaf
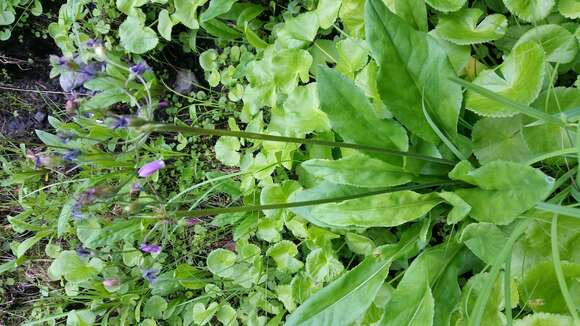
x=485, y=240
x=569, y=8
x=359, y=244
x=277, y=194
x=220, y=29
x=69, y=265
x=558, y=43
x=203, y=315
x=80, y=318
x=446, y=5
x=505, y=189
x=165, y=24
x=544, y=319
x=358, y=170
x=7, y=17
x=352, y=16
x=346, y=299
x=227, y=151
x=190, y=277
x=25, y=245
x=384, y=210
x=523, y=75
x=36, y=9
x=49, y=139
x=284, y=253
x=414, y=12
x=154, y=307
x=352, y=115
x=227, y=315
x=216, y=8
x=530, y=10
x=540, y=287
x=126, y=6
x=323, y=266
x=136, y=37
x=462, y=27
x=298, y=31
x=64, y=216
x=327, y=12
x=352, y=56
x=420, y=67
x=500, y=139
x=186, y=12
x=220, y=262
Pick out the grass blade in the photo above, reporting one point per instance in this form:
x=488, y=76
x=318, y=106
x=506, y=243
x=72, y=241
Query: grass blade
x=559, y=209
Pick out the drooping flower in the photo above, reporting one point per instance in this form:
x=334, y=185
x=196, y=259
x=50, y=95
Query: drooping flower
x=135, y=188
x=139, y=69
x=121, y=122
x=163, y=104
x=151, y=274
x=150, y=248
x=151, y=167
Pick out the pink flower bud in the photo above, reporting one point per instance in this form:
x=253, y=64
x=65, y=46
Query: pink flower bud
x=151, y=167
x=111, y=282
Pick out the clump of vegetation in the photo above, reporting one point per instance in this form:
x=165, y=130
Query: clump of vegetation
x=301, y=163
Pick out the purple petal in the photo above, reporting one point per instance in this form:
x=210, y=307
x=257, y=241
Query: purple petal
x=151, y=167
x=151, y=274
x=150, y=248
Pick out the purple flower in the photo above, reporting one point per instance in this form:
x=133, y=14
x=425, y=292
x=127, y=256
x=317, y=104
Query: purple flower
x=121, y=122
x=151, y=274
x=77, y=211
x=139, y=69
x=193, y=221
x=91, y=43
x=111, y=282
x=71, y=155
x=163, y=104
x=150, y=248
x=83, y=252
x=135, y=188
x=151, y=167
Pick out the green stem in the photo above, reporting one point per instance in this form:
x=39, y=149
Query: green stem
x=265, y=137
x=253, y=208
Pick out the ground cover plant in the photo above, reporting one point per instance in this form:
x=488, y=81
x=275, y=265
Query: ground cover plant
x=330, y=162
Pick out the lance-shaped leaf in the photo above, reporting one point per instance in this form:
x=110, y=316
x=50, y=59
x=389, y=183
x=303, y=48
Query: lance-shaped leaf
x=353, y=117
x=523, y=74
x=462, y=27
x=504, y=189
x=446, y=5
x=358, y=170
x=558, y=43
x=530, y=10
x=384, y=210
x=346, y=299
x=412, y=303
x=413, y=68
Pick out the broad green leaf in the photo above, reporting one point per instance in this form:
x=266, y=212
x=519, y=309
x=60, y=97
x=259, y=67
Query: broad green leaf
x=277, y=194
x=412, y=303
x=414, y=12
x=558, y=43
x=284, y=253
x=126, y=6
x=495, y=304
x=190, y=277
x=216, y=8
x=541, y=289
x=569, y=8
x=227, y=151
x=300, y=113
x=165, y=24
x=446, y=5
x=186, y=12
x=485, y=240
x=359, y=244
x=523, y=75
x=384, y=210
x=346, y=299
x=154, y=307
x=352, y=56
x=220, y=29
x=136, y=37
x=323, y=266
x=500, y=139
x=530, y=10
x=459, y=55
x=7, y=17
x=358, y=170
x=80, y=318
x=298, y=31
x=69, y=265
x=352, y=16
x=464, y=27
x=327, y=12
x=36, y=9
x=421, y=70
x=220, y=262
x=505, y=189
x=203, y=315
x=352, y=115
x=544, y=319
x=227, y=315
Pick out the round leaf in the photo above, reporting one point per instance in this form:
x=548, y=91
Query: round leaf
x=220, y=262
x=462, y=27
x=136, y=37
x=558, y=43
x=530, y=10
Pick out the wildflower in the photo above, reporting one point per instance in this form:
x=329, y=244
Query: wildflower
x=91, y=43
x=121, y=122
x=65, y=137
x=139, y=69
x=151, y=274
x=71, y=155
x=111, y=282
x=163, y=104
x=151, y=167
x=150, y=248
x=83, y=252
x=135, y=188
x=77, y=211
x=193, y=221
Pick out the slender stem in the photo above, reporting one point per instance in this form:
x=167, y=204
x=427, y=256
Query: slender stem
x=508, y=289
x=253, y=208
x=252, y=135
